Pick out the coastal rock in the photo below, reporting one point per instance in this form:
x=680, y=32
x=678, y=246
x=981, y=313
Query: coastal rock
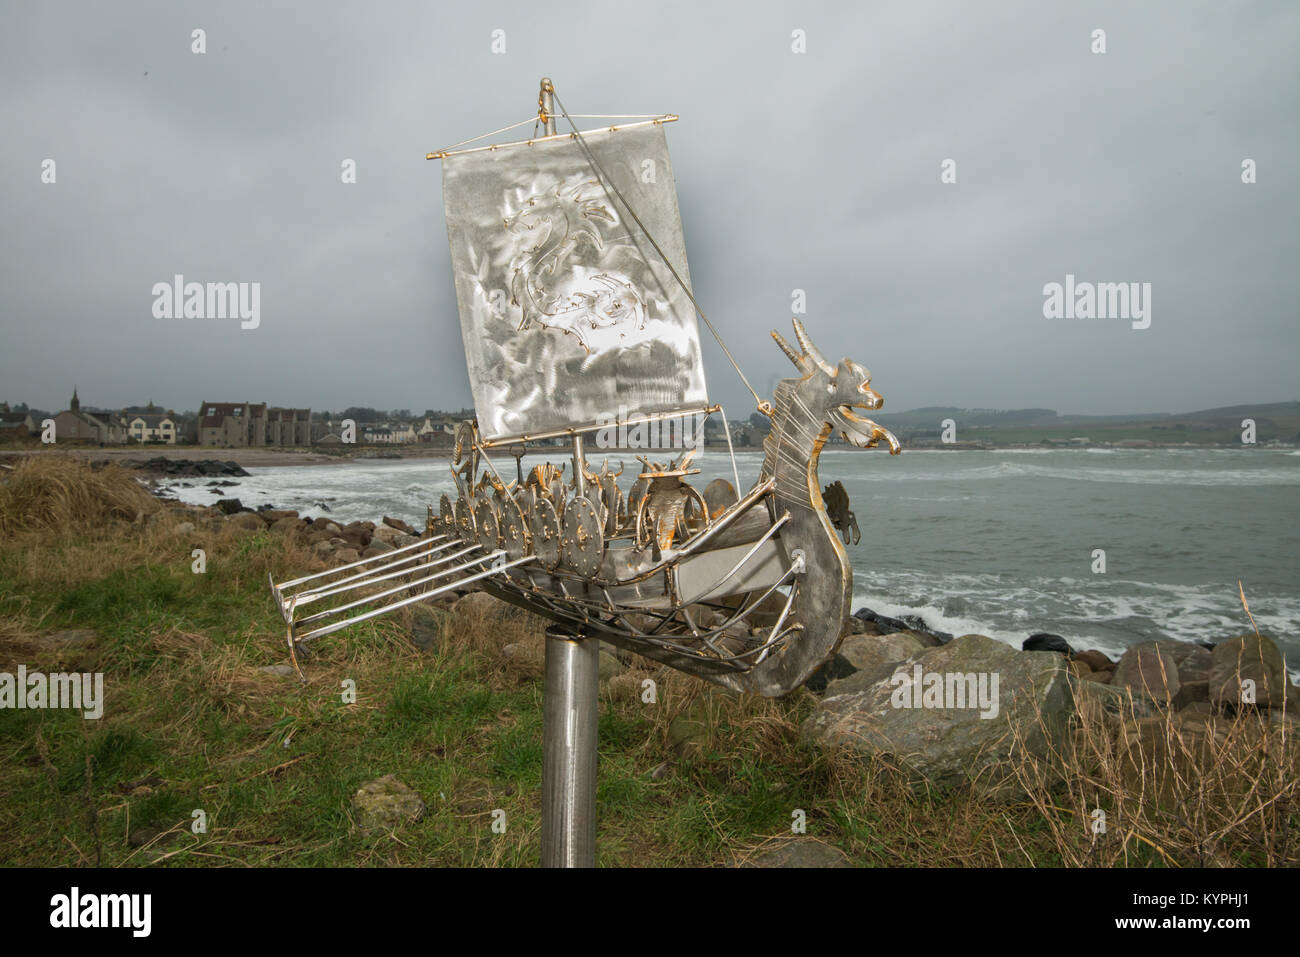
x=873, y=657
x=400, y=525
x=346, y=556
x=1045, y=641
x=935, y=730
x=426, y=626
x=273, y=515
x=475, y=604
x=1148, y=670
x=866, y=652
x=912, y=623
x=865, y=626
x=229, y=506
x=376, y=548
x=837, y=667
x=385, y=534
x=857, y=626
x=1094, y=660
x=1192, y=660
x=1103, y=700
x=1192, y=692
x=188, y=467
x=386, y=803
x=358, y=534
x=1252, y=658
x=246, y=522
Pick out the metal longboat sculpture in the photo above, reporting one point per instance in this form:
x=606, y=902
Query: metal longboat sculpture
x=576, y=308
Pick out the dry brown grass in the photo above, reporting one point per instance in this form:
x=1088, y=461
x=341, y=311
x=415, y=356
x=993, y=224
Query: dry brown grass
x=47, y=492
x=1203, y=790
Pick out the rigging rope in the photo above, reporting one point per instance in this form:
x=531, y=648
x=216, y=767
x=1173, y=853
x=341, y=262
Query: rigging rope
x=763, y=405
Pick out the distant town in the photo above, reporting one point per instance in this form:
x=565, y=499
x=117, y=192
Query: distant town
x=245, y=425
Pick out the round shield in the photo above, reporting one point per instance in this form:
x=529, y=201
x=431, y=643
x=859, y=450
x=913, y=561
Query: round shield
x=465, y=522
x=545, y=528
x=514, y=530
x=448, y=515
x=485, y=519
x=719, y=495
x=584, y=545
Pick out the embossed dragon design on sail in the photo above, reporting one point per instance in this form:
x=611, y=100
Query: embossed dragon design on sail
x=553, y=227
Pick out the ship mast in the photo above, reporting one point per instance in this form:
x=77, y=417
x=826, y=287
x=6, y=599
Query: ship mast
x=570, y=699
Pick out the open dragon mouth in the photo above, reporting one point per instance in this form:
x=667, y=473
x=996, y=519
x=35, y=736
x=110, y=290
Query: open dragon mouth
x=861, y=431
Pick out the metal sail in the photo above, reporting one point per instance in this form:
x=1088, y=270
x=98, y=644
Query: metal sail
x=570, y=319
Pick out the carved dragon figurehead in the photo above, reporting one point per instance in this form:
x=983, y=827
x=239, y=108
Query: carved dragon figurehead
x=845, y=388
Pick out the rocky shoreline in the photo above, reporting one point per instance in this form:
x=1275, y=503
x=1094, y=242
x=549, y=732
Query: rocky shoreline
x=879, y=694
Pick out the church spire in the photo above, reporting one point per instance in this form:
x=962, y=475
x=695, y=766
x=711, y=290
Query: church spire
x=76, y=403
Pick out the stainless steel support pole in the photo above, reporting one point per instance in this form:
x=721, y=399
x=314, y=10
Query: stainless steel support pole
x=569, y=719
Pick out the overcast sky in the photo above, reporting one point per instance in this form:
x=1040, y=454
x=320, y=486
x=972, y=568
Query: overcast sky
x=817, y=171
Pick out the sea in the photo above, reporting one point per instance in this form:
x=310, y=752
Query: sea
x=1105, y=547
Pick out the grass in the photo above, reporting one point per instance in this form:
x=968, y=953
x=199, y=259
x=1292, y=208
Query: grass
x=191, y=722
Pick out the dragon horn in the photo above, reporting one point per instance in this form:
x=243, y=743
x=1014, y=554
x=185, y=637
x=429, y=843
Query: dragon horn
x=793, y=356
x=810, y=350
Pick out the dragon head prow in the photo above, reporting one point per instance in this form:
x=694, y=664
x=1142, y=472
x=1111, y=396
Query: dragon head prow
x=847, y=386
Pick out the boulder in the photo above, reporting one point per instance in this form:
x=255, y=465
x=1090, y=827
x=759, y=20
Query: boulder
x=376, y=548
x=1159, y=755
x=872, y=658
x=1079, y=669
x=229, y=506
x=386, y=803
x=1192, y=660
x=426, y=626
x=385, y=534
x=955, y=713
x=1094, y=660
x=346, y=556
x=246, y=522
x=857, y=626
x=284, y=526
x=475, y=604
x=1245, y=658
x=1148, y=670
x=1105, y=700
x=1045, y=641
x=273, y=515
x=868, y=652
x=1192, y=692
x=910, y=623
x=400, y=525
x=837, y=667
